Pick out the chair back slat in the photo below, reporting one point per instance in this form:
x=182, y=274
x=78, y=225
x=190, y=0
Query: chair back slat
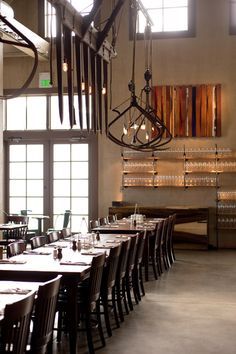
x=95, y=279
x=122, y=265
x=38, y=241
x=132, y=254
x=53, y=236
x=44, y=315
x=15, y=248
x=15, y=325
x=109, y=275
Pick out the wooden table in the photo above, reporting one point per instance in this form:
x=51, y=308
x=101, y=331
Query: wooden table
x=124, y=226
x=42, y=268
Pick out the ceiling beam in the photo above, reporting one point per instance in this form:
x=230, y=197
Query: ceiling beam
x=88, y=34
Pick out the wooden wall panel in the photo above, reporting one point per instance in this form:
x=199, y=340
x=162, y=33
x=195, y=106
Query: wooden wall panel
x=189, y=111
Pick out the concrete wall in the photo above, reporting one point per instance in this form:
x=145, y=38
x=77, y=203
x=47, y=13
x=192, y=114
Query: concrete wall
x=209, y=57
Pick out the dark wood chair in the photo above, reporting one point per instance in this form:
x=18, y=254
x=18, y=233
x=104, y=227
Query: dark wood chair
x=38, y=241
x=15, y=248
x=108, y=287
x=20, y=233
x=103, y=221
x=137, y=276
x=15, y=325
x=53, y=236
x=88, y=304
x=129, y=271
x=120, y=278
x=92, y=224
x=170, y=245
x=44, y=316
x=66, y=232
x=155, y=249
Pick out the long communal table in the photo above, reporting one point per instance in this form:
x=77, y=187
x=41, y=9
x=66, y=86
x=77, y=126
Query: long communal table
x=125, y=226
x=39, y=265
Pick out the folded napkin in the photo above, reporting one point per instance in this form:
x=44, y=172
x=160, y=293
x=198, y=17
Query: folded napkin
x=113, y=241
x=55, y=245
x=90, y=253
x=15, y=291
x=75, y=263
x=11, y=261
x=122, y=236
x=104, y=246
x=37, y=253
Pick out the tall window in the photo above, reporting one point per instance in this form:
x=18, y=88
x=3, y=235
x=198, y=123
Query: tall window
x=232, y=16
x=48, y=168
x=82, y=6
x=169, y=17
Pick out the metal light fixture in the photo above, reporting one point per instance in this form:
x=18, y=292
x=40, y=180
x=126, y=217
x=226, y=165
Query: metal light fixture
x=137, y=126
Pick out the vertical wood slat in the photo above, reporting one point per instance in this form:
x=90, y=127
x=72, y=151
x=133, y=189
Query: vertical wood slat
x=59, y=55
x=87, y=83
x=105, y=95
x=189, y=110
x=209, y=111
x=218, y=110
x=94, y=90
x=189, y=113
x=99, y=91
x=70, y=82
x=79, y=75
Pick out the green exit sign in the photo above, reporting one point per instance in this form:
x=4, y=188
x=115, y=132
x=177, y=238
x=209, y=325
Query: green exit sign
x=44, y=80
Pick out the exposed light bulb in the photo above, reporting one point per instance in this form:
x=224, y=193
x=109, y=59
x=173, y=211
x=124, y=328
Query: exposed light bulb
x=143, y=126
x=65, y=66
x=104, y=90
x=135, y=126
x=83, y=86
x=125, y=131
x=147, y=136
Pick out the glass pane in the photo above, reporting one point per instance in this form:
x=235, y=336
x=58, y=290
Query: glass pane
x=61, y=170
x=176, y=19
x=175, y=3
x=79, y=188
x=35, y=170
x=79, y=152
x=61, y=188
x=17, y=188
x=61, y=152
x=17, y=152
x=36, y=113
x=17, y=170
x=60, y=205
x=34, y=188
x=16, y=113
x=83, y=6
x=79, y=170
x=55, y=120
x=16, y=205
x=80, y=205
x=157, y=18
x=35, y=204
x=35, y=152
x=152, y=4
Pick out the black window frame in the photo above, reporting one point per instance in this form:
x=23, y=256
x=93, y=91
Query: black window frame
x=191, y=32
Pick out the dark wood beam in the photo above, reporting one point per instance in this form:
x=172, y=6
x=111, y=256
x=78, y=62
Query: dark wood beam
x=92, y=37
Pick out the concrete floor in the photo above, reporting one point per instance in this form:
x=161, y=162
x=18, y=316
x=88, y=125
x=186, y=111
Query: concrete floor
x=191, y=309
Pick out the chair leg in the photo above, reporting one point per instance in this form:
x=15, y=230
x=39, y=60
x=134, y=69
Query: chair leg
x=128, y=293
x=124, y=296
x=89, y=333
x=136, y=285
x=141, y=281
x=100, y=330
x=114, y=307
x=119, y=296
x=106, y=315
